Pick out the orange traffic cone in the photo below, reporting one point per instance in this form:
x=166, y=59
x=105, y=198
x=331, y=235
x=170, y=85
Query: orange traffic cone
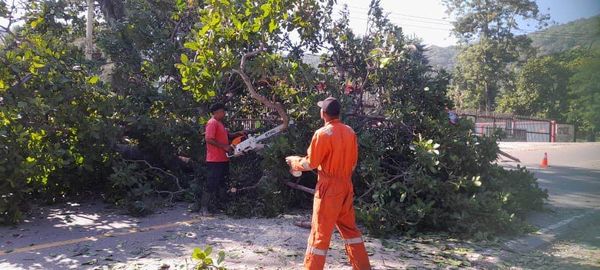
x=544, y=161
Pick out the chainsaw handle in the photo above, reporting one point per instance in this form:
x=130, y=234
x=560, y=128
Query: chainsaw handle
x=231, y=153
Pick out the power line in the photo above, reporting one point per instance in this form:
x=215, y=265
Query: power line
x=420, y=21
x=563, y=33
x=557, y=35
x=423, y=24
x=407, y=15
x=540, y=34
x=404, y=24
x=397, y=15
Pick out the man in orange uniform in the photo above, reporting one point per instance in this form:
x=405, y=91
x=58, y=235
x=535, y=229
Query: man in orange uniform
x=334, y=152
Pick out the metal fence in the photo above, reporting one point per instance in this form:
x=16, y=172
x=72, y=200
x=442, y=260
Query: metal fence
x=520, y=129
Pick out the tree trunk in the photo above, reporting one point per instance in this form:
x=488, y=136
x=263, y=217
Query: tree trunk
x=490, y=97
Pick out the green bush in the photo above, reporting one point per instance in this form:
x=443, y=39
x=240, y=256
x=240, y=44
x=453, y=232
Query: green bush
x=449, y=183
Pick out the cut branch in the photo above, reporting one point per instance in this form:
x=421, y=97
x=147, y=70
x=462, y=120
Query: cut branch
x=288, y=183
x=300, y=187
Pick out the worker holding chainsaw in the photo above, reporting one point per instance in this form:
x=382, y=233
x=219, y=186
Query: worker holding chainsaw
x=217, y=162
x=334, y=152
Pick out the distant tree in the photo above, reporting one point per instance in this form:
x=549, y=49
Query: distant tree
x=540, y=89
x=486, y=30
x=563, y=86
x=584, y=95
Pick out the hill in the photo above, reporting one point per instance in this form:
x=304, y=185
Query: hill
x=557, y=38
x=579, y=33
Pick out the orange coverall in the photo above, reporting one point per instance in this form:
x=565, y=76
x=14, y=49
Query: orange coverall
x=334, y=152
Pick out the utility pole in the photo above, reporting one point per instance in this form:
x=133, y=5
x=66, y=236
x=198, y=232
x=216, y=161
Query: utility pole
x=89, y=28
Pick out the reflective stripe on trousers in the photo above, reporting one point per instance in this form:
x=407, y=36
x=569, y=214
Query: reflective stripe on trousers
x=316, y=251
x=353, y=241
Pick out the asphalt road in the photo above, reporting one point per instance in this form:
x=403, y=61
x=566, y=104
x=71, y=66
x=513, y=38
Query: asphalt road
x=573, y=183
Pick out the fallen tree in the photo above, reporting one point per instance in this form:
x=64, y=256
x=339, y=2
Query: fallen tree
x=64, y=132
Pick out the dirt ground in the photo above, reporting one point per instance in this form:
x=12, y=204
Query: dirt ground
x=95, y=236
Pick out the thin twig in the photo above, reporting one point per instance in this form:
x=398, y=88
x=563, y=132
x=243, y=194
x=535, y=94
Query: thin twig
x=248, y=187
x=150, y=167
x=176, y=28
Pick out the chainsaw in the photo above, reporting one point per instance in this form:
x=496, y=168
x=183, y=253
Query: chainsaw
x=247, y=143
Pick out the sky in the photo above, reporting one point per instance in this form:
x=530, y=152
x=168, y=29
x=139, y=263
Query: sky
x=427, y=19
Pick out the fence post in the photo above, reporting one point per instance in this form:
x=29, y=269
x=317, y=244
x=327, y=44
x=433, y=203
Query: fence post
x=513, y=126
x=552, y=131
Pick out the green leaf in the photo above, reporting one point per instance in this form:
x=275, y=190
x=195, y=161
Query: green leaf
x=35, y=23
x=208, y=250
x=79, y=160
x=238, y=25
x=184, y=58
x=266, y=8
x=198, y=254
x=216, y=19
x=35, y=136
x=272, y=26
x=192, y=46
x=94, y=79
x=221, y=257
x=384, y=62
x=256, y=26
x=204, y=29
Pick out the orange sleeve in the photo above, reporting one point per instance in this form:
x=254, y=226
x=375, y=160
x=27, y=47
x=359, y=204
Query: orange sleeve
x=317, y=151
x=354, y=151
